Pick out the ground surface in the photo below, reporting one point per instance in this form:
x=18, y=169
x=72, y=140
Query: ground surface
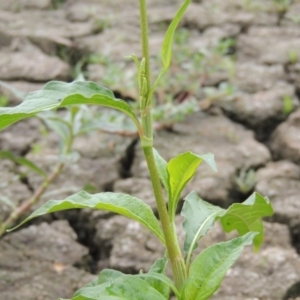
x=254, y=130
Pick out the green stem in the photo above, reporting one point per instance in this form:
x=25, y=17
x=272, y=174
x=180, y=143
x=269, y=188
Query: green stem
x=174, y=252
x=145, y=42
x=145, y=101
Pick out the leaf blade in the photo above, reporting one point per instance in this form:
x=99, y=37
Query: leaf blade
x=57, y=94
x=23, y=161
x=199, y=217
x=126, y=287
x=247, y=216
x=210, y=266
x=181, y=169
x=161, y=165
x=122, y=204
x=166, y=52
x=157, y=279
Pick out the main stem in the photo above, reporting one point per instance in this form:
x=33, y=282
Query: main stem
x=174, y=252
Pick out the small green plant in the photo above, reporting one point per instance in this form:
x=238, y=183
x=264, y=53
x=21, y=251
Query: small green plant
x=194, y=278
x=245, y=180
x=288, y=105
x=293, y=56
x=277, y=6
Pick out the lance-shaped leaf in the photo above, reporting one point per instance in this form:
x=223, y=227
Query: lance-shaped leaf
x=122, y=204
x=157, y=279
x=209, y=267
x=166, y=53
x=23, y=161
x=126, y=287
x=104, y=276
x=181, y=169
x=247, y=216
x=161, y=165
x=57, y=94
x=108, y=275
x=199, y=217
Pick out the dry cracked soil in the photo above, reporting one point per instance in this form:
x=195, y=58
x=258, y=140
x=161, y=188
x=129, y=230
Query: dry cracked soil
x=254, y=131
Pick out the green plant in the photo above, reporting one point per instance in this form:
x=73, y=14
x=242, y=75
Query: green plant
x=245, y=180
x=288, y=105
x=194, y=279
x=277, y=6
x=293, y=56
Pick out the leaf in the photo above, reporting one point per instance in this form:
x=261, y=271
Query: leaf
x=81, y=297
x=209, y=268
x=8, y=202
x=122, y=204
x=161, y=165
x=58, y=125
x=199, y=217
x=157, y=279
x=126, y=287
x=104, y=276
x=108, y=275
x=181, y=169
x=164, y=282
x=22, y=161
x=247, y=216
x=166, y=53
x=57, y=94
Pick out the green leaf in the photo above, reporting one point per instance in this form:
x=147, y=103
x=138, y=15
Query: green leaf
x=108, y=275
x=57, y=94
x=58, y=125
x=157, y=279
x=181, y=169
x=126, y=287
x=82, y=297
x=164, y=282
x=105, y=275
x=166, y=53
x=161, y=165
x=199, y=217
x=247, y=216
x=22, y=161
x=209, y=268
x=122, y=204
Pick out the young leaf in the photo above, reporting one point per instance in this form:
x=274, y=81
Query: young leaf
x=166, y=53
x=157, y=279
x=164, y=282
x=161, y=165
x=57, y=94
x=22, y=161
x=96, y=297
x=122, y=204
x=105, y=275
x=209, y=268
x=199, y=218
x=247, y=216
x=108, y=275
x=181, y=169
x=126, y=287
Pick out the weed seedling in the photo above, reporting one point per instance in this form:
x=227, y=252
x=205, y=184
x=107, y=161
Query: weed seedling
x=194, y=278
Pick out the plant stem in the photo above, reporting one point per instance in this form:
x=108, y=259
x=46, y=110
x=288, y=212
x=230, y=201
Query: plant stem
x=174, y=252
x=146, y=103
x=145, y=42
x=15, y=214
